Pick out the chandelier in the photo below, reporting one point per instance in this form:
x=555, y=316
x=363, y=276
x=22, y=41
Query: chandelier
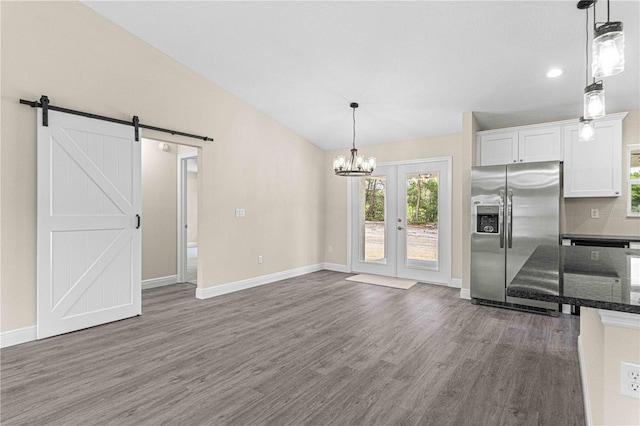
x=356, y=165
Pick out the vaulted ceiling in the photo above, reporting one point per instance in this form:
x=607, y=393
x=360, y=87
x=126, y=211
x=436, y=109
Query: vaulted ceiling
x=414, y=67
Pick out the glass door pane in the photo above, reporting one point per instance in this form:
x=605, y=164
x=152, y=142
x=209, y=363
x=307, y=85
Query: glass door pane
x=372, y=219
x=422, y=220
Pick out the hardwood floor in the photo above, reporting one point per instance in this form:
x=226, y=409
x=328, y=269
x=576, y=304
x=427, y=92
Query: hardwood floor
x=315, y=350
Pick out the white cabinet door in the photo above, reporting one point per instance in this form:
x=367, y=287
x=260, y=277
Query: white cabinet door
x=541, y=144
x=498, y=148
x=88, y=225
x=593, y=168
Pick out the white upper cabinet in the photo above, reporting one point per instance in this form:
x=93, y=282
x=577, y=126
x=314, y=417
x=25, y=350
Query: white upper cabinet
x=498, y=148
x=520, y=145
x=540, y=144
x=594, y=168
x=591, y=169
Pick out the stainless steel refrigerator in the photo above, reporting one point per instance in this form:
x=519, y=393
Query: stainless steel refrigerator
x=515, y=208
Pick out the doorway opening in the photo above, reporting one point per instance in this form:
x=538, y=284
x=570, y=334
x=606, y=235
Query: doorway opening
x=188, y=217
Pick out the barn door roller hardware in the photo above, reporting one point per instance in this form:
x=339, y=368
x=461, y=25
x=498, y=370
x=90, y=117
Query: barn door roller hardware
x=135, y=122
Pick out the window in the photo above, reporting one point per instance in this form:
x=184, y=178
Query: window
x=633, y=179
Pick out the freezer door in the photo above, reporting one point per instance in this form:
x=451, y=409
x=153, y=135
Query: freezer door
x=532, y=215
x=487, y=255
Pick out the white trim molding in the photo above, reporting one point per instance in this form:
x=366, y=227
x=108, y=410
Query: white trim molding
x=219, y=290
x=465, y=294
x=583, y=379
x=18, y=336
x=620, y=319
x=336, y=267
x=159, y=282
x=456, y=283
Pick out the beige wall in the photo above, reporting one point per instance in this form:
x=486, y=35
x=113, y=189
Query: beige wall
x=336, y=190
x=159, y=210
x=85, y=62
x=192, y=207
x=613, y=211
x=603, y=348
x=469, y=129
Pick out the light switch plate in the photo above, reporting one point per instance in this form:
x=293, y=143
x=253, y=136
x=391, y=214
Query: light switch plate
x=240, y=213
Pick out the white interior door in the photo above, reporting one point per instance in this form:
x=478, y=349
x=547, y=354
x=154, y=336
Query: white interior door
x=401, y=221
x=89, y=254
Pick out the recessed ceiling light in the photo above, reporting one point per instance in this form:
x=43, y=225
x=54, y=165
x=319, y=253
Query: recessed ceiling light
x=555, y=72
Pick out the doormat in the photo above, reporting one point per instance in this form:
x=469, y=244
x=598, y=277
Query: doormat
x=383, y=281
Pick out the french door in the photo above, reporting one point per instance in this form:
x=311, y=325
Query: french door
x=89, y=255
x=401, y=221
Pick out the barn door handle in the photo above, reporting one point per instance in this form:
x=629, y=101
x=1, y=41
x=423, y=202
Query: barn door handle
x=137, y=221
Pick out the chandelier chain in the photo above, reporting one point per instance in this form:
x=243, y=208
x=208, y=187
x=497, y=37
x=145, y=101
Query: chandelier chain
x=354, y=128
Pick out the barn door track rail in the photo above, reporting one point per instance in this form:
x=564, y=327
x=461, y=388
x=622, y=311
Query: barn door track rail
x=135, y=122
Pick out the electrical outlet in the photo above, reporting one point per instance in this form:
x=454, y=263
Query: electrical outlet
x=595, y=213
x=330, y=249
x=259, y=259
x=630, y=379
x=634, y=375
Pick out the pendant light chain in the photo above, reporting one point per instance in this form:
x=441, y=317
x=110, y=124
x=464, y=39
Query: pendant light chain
x=586, y=45
x=354, y=128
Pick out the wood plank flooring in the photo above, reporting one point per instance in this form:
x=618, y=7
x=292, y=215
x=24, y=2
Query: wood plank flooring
x=311, y=350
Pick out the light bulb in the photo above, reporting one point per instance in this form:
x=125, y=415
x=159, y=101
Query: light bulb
x=609, y=55
x=587, y=131
x=595, y=106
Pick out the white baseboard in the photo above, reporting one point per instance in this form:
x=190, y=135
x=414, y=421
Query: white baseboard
x=465, y=293
x=18, y=336
x=159, y=282
x=456, y=283
x=336, y=267
x=219, y=290
x=583, y=379
x=192, y=244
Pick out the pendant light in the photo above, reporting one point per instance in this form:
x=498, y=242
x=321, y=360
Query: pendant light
x=586, y=130
x=356, y=165
x=593, y=93
x=594, y=101
x=607, y=48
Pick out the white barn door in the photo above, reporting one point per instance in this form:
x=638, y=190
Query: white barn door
x=89, y=255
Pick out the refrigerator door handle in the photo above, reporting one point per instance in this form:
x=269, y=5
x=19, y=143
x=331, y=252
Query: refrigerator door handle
x=501, y=219
x=510, y=219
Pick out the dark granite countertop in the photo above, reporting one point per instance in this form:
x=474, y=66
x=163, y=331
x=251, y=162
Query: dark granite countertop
x=601, y=237
x=596, y=277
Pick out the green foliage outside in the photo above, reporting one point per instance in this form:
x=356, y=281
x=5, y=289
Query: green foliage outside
x=635, y=198
x=374, y=199
x=422, y=200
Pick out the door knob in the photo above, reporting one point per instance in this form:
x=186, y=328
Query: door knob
x=400, y=228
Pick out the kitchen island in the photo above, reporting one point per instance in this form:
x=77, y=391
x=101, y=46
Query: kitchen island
x=595, y=277
x=606, y=283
